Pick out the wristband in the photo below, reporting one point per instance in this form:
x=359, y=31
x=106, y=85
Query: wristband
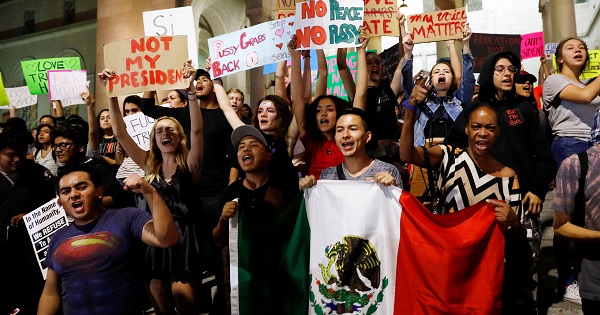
x=409, y=106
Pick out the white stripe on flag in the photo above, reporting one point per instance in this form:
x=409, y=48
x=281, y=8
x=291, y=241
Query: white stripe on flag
x=233, y=264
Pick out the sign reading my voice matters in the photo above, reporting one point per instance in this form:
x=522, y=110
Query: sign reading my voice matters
x=146, y=64
x=437, y=26
x=328, y=23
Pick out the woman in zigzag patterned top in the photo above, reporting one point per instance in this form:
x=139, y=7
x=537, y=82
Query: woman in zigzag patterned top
x=471, y=175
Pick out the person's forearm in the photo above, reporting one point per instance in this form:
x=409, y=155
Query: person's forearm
x=49, y=304
x=59, y=109
x=92, y=127
x=221, y=232
x=323, y=74
x=164, y=225
x=407, y=149
x=306, y=81
x=573, y=232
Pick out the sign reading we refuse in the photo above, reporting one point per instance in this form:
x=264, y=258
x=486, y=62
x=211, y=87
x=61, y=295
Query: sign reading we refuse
x=437, y=26
x=146, y=64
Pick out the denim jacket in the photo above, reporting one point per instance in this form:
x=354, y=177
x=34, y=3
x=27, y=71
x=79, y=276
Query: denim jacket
x=452, y=104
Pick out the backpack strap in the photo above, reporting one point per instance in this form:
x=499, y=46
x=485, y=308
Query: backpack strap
x=340, y=172
x=578, y=216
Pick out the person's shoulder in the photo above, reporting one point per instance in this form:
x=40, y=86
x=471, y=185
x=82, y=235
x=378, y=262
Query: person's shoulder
x=329, y=173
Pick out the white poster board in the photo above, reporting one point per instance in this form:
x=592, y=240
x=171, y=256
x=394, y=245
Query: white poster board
x=139, y=127
x=176, y=21
x=65, y=84
x=20, y=97
x=41, y=224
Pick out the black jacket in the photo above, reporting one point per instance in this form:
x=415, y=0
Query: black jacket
x=522, y=144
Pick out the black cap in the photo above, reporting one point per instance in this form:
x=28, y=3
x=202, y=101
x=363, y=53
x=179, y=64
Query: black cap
x=524, y=76
x=244, y=131
x=202, y=73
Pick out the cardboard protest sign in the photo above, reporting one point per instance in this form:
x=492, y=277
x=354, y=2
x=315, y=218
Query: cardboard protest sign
x=65, y=84
x=35, y=71
x=139, y=127
x=334, y=82
x=532, y=45
x=285, y=4
x=328, y=23
x=485, y=44
x=380, y=18
x=251, y=47
x=282, y=14
x=591, y=70
x=21, y=97
x=437, y=26
x=146, y=64
x=176, y=21
x=550, y=49
x=41, y=224
x=3, y=96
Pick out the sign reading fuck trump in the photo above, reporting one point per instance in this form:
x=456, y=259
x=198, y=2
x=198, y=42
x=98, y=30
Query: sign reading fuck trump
x=328, y=23
x=251, y=47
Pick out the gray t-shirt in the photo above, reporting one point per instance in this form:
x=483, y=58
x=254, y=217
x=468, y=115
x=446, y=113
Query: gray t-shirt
x=567, y=119
x=377, y=167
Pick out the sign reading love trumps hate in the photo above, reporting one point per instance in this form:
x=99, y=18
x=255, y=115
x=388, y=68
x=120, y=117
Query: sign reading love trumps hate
x=380, y=18
x=35, y=71
x=146, y=64
x=328, y=23
x=437, y=26
x=251, y=47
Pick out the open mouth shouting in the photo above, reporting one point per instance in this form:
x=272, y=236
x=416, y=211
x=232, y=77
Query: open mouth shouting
x=482, y=145
x=77, y=206
x=247, y=159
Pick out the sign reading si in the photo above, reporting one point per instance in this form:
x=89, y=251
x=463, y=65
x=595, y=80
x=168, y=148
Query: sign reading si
x=437, y=26
x=65, y=84
x=139, y=127
x=146, y=64
x=532, y=45
x=35, y=71
x=328, y=23
x=176, y=21
x=251, y=47
x=21, y=97
x=381, y=18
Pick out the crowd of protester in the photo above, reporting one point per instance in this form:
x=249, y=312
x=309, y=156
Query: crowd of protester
x=211, y=155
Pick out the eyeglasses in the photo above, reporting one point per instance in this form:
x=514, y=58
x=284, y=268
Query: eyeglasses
x=62, y=146
x=501, y=69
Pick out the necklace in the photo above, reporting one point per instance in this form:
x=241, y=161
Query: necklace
x=330, y=149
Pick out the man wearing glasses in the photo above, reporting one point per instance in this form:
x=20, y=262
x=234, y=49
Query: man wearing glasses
x=70, y=145
x=24, y=186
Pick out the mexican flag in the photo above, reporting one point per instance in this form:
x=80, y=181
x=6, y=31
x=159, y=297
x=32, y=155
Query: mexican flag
x=373, y=250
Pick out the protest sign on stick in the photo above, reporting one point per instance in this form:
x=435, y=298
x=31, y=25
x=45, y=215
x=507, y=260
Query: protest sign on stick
x=532, y=45
x=41, y=224
x=65, y=84
x=175, y=21
x=328, y=23
x=437, y=26
x=35, y=71
x=251, y=47
x=381, y=18
x=146, y=64
x=21, y=97
x=139, y=127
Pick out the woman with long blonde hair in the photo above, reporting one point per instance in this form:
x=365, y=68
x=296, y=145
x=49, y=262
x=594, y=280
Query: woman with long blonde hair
x=174, y=273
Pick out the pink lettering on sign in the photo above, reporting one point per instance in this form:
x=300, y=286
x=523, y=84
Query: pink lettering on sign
x=532, y=45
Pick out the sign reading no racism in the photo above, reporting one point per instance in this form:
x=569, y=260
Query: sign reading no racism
x=146, y=64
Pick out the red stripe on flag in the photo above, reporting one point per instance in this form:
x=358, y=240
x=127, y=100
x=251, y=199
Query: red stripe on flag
x=450, y=264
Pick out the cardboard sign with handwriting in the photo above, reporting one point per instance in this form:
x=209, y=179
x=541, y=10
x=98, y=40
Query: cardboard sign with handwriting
x=381, y=18
x=146, y=64
x=35, y=71
x=437, y=26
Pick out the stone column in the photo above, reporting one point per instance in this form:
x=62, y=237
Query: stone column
x=563, y=19
x=440, y=5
